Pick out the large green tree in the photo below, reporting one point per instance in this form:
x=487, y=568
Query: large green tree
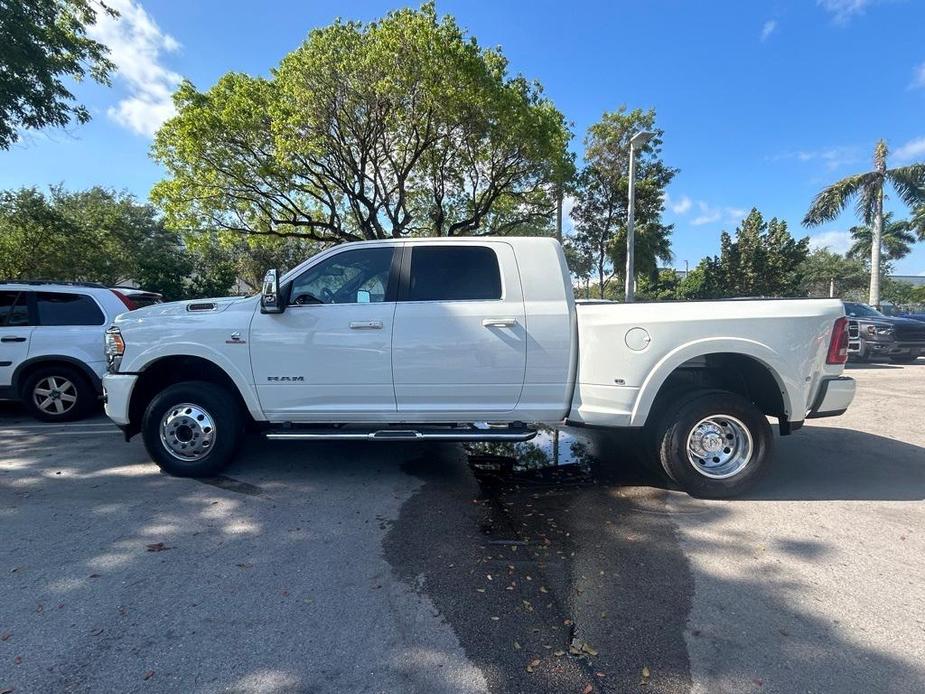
x=762, y=260
x=99, y=235
x=398, y=127
x=600, y=210
x=44, y=43
x=825, y=273
x=868, y=190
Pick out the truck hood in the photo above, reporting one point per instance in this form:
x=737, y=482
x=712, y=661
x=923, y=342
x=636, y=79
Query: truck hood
x=196, y=307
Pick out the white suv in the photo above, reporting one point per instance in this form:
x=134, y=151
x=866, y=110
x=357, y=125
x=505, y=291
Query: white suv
x=51, y=345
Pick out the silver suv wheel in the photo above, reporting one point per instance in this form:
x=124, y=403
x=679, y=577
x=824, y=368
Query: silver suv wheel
x=54, y=395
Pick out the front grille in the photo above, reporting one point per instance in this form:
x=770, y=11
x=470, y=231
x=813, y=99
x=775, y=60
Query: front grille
x=910, y=333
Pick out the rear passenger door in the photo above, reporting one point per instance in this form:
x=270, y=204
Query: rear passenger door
x=15, y=333
x=71, y=324
x=459, y=342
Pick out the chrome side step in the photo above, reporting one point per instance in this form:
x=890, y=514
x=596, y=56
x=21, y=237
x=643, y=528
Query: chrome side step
x=449, y=434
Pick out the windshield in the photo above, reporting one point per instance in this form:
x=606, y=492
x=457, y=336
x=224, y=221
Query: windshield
x=862, y=311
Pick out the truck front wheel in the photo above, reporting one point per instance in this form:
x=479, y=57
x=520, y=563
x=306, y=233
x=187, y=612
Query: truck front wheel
x=192, y=429
x=713, y=444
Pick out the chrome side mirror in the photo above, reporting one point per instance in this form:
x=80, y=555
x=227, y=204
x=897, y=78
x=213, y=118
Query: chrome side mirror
x=270, y=301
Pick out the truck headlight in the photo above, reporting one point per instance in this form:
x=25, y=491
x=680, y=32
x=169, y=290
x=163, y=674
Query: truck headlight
x=114, y=348
x=880, y=330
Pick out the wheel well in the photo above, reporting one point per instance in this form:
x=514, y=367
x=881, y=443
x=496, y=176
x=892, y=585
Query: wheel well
x=738, y=373
x=26, y=369
x=170, y=370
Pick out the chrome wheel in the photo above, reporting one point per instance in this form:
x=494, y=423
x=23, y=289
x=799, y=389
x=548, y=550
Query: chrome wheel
x=55, y=395
x=187, y=432
x=719, y=446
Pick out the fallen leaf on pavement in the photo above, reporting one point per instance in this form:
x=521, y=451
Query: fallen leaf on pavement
x=516, y=646
x=96, y=632
x=533, y=664
x=5, y=636
x=588, y=689
x=149, y=674
x=645, y=675
x=157, y=547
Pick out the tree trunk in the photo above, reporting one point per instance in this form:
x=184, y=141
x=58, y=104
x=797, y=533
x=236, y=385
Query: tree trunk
x=875, y=239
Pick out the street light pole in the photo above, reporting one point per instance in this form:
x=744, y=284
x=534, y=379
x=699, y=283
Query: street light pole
x=636, y=142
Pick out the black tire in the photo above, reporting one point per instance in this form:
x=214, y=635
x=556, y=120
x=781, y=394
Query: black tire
x=74, y=384
x=212, y=402
x=678, y=423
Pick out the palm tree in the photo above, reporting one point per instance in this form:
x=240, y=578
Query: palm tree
x=867, y=188
x=896, y=239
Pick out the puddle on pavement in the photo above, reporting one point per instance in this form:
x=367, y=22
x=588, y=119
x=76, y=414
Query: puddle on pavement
x=552, y=455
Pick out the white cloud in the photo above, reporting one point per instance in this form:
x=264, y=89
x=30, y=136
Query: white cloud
x=710, y=215
x=918, y=81
x=136, y=45
x=834, y=240
x=843, y=10
x=769, y=27
x=682, y=206
x=832, y=157
x=913, y=149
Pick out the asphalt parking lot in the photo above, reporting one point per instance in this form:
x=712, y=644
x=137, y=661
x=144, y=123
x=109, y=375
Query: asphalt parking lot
x=387, y=568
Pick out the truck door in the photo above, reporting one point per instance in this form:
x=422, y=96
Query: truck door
x=15, y=333
x=328, y=357
x=459, y=343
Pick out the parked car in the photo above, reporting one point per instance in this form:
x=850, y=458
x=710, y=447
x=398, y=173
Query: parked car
x=139, y=298
x=471, y=340
x=51, y=345
x=874, y=334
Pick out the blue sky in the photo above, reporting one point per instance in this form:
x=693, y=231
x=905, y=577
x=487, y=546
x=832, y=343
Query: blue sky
x=763, y=103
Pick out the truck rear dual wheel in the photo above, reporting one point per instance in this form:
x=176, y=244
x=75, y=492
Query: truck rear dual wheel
x=192, y=429
x=713, y=444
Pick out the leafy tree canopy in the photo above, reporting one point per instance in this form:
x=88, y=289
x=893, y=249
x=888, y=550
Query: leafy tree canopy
x=403, y=126
x=42, y=43
x=824, y=270
x=763, y=260
x=602, y=194
x=100, y=235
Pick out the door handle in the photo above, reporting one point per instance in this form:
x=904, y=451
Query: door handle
x=12, y=339
x=366, y=325
x=499, y=322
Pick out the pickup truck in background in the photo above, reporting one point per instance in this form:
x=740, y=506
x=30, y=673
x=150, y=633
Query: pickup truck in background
x=472, y=339
x=874, y=334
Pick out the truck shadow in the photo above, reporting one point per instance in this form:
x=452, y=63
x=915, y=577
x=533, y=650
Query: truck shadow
x=816, y=463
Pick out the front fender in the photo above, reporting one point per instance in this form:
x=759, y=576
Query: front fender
x=238, y=369
x=790, y=387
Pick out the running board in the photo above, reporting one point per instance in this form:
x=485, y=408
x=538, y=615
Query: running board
x=448, y=434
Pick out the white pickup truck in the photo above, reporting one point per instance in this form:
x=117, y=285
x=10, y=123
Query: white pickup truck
x=472, y=339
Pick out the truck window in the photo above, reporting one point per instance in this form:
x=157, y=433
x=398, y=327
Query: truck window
x=454, y=273
x=352, y=277
x=67, y=309
x=12, y=312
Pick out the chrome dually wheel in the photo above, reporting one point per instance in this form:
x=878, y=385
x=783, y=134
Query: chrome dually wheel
x=719, y=446
x=187, y=432
x=54, y=395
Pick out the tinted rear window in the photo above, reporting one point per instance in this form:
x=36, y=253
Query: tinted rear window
x=454, y=273
x=67, y=309
x=13, y=312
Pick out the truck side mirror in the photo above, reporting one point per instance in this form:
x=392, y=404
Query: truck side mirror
x=270, y=300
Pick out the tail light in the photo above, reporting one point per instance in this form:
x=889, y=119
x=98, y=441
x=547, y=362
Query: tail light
x=129, y=304
x=838, y=345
